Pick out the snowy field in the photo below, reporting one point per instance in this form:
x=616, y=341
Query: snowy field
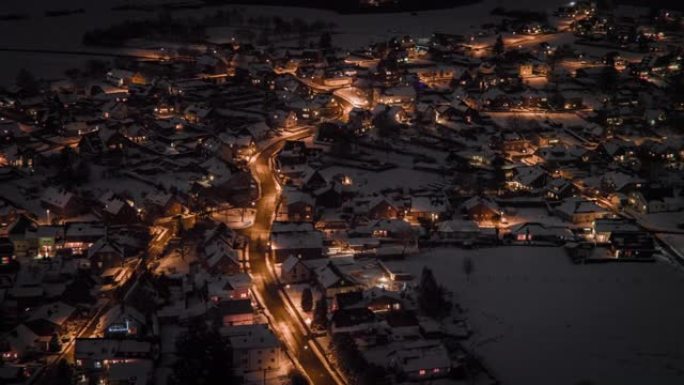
x=40, y=32
x=370, y=182
x=538, y=319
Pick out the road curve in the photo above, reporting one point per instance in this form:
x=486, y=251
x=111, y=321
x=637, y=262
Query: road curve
x=267, y=288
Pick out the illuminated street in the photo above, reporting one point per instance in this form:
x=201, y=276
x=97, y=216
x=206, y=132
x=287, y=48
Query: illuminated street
x=296, y=341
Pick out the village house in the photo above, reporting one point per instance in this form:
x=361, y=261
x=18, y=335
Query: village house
x=625, y=239
x=299, y=240
x=419, y=360
x=255, y=348
x=61, y=203
x=116, y=209
x=354, y=320
x=530, y=233
x=482, y=209
x=96, y=354
x=236, y=312
x=299, y=205
x=295, y=270
x=579, y=211
x=331, y=280
x=105, y=254
x=125, y=321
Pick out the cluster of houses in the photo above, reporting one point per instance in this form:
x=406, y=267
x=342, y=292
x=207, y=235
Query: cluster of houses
x=111, y=181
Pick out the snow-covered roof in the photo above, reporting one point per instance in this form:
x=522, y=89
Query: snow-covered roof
x=56, y=312
x=105, y=245
x=57, y=198
x=455, y=226
x=102, y=348
x=578, y=206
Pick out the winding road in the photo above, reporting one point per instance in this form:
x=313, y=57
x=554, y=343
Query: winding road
x=266, y=288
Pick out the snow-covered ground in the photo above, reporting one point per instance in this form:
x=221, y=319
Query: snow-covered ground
x=371, y=182
x=538, y=319
x=65, y=33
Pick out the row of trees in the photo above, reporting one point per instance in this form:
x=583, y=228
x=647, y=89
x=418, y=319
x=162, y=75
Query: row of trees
x=167, y=27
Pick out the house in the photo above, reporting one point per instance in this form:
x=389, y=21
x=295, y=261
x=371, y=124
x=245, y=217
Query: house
x=160, y=204
x=18, y=233
x=353, y=320
x=60, y=203
x=537, y=233
x=307, y=244
x=386, y=230
x=617, y=150
x=482, y=209
x=381, y=207
x=6, y=252
x=626, y=238
x=330, y=196
x=95, y=354
x=104, y=141
x=284, y=119
x=421, y=360
x=46, y=239
x=294, y=270
x=124, y=321
x=79, y=236
x=655, y=199
x=228, y=287
x=127, y=372
x=120, y=77
x=375, y=299
x=236, y=312
x=559, y=189
x=219, y=257
x=620, y=182
x=116, y=210
x=580, y=211
x=255, y=348
x=51, y=319
x=401, y=96
x=299, y=205
x=106, y=253
x=313, y=180
x=19, y=343
x=460, y=231
x=527, y=179
x=331, y=280
x=427, y=207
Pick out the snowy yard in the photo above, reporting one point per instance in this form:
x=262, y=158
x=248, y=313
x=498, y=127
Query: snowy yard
x=538, y=319
x=370, y=181
x=235, y=218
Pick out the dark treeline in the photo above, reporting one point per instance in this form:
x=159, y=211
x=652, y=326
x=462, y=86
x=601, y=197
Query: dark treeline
x=356, y=6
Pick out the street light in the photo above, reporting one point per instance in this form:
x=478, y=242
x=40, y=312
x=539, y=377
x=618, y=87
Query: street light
x=48, y=216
